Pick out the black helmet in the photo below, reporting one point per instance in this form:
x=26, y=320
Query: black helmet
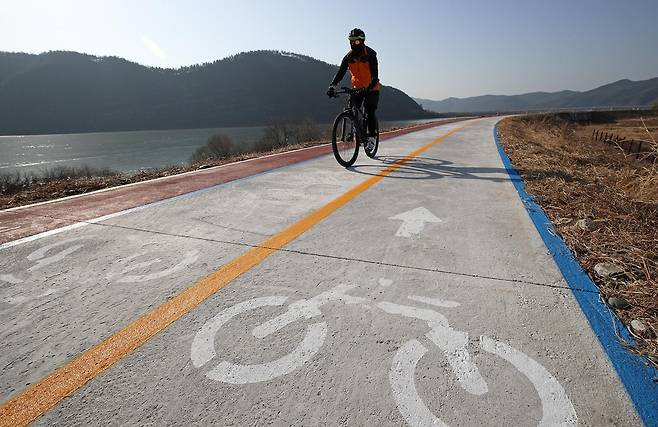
x=357, y=34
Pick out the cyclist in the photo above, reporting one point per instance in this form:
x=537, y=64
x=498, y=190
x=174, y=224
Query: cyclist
x=361, y=60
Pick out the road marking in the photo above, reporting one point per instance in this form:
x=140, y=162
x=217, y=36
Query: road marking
x=189, y=258
x=20, y=299
x=453, y=343
x=76, y=225
x=434, y=301
x=413, y=221
x=406, y=396
x=557, y=408
x=234, y=373
x=40, y=397
x=40, y=254
x=307, y=309
x=203, y=346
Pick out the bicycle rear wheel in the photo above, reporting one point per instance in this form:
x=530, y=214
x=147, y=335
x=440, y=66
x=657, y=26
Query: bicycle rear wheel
x=373, y=151
x=343, y=139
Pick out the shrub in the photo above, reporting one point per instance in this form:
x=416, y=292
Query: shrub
x=10, y=183
x=280, y=134
x=309, y=130
x=67, y=172
x=277, y=135
x=218, y=147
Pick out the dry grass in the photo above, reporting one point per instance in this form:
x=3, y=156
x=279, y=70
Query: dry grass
x=574, y=178
x=644, y=128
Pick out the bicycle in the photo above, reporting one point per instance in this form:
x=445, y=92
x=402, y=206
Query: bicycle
x=452, y=344
x=350, y=130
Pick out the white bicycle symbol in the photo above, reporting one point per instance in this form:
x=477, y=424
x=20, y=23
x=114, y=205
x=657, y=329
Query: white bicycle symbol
x=557, y=408
x=123, y=270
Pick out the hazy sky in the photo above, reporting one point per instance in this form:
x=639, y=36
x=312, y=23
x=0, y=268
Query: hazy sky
x=430, y=49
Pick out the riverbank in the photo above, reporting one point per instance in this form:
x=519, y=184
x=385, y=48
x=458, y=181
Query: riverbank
x=17, y=191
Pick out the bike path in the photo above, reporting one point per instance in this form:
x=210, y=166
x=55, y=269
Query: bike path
x=476, y=266
x=64, y=293
x=21, y=223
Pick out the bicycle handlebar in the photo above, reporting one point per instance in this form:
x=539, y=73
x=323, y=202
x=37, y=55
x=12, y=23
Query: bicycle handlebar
x=345, y=90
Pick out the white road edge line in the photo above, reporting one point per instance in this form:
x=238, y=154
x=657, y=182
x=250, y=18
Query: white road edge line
x=68, y=227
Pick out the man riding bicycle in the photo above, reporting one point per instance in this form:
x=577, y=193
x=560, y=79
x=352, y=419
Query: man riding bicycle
x=361, y=60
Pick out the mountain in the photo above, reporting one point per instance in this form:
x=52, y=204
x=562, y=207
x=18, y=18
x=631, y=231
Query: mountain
x=623, y=93
x=62, y=92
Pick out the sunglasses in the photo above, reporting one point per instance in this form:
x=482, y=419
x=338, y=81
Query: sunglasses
x=355, y=41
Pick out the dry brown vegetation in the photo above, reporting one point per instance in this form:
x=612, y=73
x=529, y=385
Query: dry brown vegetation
x=602, y=202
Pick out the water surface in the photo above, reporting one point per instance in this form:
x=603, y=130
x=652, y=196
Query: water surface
x=121, y=151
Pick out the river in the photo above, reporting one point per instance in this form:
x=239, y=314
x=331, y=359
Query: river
x=120, y=151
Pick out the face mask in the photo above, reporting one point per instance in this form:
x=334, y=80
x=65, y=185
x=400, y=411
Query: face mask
x=357, y=48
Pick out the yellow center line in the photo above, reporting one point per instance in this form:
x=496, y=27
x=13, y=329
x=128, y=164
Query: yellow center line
x=40, y=397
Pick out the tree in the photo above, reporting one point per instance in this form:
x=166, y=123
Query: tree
x=308, y=130
x=277, y=135
x=218, y=147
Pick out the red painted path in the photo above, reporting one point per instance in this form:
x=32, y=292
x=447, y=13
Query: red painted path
x=20, y=222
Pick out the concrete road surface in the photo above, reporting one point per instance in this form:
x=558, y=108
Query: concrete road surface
x=309, y=295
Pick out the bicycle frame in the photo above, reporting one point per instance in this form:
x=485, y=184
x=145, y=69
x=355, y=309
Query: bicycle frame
x=359, y=112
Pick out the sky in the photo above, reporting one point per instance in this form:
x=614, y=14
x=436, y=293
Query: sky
x=429, y=49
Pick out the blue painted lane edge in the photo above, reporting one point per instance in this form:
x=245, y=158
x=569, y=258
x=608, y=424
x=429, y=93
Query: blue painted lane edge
x=635, y=373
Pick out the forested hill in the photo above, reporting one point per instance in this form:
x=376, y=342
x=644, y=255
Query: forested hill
x=622, y=93
x=60, y=92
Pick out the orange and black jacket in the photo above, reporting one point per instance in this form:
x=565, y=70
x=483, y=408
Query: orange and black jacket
x=363, y=67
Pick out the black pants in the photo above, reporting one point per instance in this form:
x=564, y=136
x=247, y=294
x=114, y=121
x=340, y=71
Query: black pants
x=371, y=100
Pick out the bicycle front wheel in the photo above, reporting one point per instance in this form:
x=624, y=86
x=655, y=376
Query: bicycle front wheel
x=343, y=139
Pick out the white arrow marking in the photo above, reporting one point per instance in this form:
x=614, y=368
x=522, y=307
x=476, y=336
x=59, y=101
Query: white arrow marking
x=413, y=221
